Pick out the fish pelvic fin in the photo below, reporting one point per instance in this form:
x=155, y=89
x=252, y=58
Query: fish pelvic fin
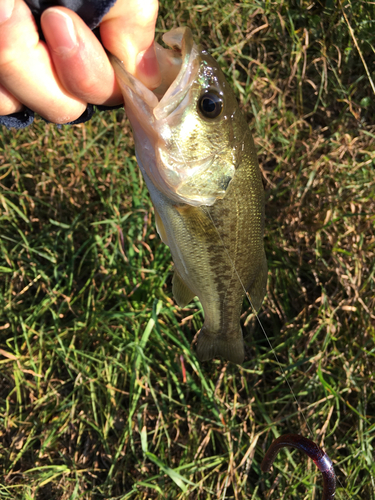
x=181, y=292
x=160, y=228
x=212, y=345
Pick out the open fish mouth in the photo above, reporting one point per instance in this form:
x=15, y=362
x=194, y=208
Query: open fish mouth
x=184, y=54
x=178, y=67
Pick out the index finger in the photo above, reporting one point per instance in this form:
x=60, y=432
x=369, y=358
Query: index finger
x=128, y=32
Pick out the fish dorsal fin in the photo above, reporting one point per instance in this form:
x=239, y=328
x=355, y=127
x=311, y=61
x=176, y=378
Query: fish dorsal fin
x=181, y=292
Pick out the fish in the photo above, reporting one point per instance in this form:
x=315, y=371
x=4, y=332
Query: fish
x=198, y=159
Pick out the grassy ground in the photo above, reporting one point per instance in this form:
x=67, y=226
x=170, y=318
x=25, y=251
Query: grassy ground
x=101, y=395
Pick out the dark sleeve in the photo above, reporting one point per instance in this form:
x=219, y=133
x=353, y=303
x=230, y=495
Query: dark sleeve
x=91, y=11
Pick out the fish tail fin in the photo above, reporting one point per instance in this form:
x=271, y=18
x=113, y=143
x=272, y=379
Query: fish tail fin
x=211, y=345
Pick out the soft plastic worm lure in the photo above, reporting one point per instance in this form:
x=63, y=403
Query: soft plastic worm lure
x=319, y=457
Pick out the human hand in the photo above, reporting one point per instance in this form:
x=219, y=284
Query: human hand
x=57, y=78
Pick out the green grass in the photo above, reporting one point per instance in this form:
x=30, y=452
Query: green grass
x=94, y=403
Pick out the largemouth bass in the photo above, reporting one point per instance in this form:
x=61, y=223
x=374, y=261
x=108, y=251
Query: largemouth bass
x=198, y=159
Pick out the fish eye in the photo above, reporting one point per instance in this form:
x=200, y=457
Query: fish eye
x=210, y=105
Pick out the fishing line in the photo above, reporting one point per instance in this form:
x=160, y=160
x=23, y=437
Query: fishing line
x=265, y=334
x=251, y=305
x=255, y=312
x=261, y=326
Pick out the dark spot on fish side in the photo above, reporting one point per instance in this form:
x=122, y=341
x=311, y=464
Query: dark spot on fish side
x=224, y=182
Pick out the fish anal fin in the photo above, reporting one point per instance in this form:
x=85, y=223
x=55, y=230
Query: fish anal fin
x=211, y=345
x=258, y=287
x=181, y=292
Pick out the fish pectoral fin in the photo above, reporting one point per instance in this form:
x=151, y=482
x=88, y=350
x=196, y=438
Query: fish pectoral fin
x=211, y=345
x=258, y=287
x=181, y=292
x=160, y=227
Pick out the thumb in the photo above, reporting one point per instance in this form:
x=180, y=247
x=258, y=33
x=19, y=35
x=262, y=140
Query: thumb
x=128, y=32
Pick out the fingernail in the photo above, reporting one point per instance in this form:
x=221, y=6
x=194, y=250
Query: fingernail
x=59, y=31
x=6, y=9
x=147, y=68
